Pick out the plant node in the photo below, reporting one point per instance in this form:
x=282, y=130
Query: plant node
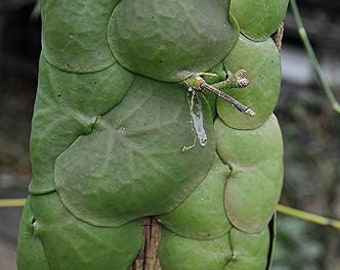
x=236, y=80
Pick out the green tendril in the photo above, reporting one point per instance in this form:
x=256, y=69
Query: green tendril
x=315, y=63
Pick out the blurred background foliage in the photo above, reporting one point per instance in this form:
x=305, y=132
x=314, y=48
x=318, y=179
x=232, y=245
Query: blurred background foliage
x=310, y=129
x=311, y=132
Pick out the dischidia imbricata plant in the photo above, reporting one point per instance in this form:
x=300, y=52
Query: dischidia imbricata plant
x=154, y=144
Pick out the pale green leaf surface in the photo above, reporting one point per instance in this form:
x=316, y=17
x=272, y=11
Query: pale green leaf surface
x=67, y=106
x=171, y=40
x=262, y=62
x=249, y=250
x=30, y=252
x=259, y=19
x=177, y=252
x=69, y=243
x=254, y=187
x=132, y=164
x=202, y=214
x=74, y=34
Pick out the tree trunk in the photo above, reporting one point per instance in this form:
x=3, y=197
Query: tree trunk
x=147, y=258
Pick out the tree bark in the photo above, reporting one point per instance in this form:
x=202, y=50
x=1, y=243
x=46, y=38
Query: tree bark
x=147, y=258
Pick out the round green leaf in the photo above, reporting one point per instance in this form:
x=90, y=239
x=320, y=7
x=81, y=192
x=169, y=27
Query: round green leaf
x=70, y=243
x=202, y=215
x=171, y=40
x=53, y=131
x=262, y=62
x=258, y=19
x=177, y=252
x=250, y=251
x=67, y=106
x=91, y=94
x=30, y=251
x=74, y=34
x=254, y=187
x=132, y=164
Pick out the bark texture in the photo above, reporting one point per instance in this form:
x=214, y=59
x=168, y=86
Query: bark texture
x=147, y=258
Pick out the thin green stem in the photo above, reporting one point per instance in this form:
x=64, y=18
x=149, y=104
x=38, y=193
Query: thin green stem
x=12, y=202
x=308, y=216
x=315, y=63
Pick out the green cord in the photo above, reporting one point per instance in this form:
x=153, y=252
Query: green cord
x=12, y=202
x=315, y=63
x=280, y=209
x=316, y=219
